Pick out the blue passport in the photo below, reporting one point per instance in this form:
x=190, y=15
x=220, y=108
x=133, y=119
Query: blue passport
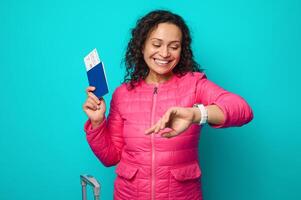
x=97, y=78
x=96, y=74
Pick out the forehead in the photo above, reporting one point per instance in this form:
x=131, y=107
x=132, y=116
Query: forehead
x=166, y=32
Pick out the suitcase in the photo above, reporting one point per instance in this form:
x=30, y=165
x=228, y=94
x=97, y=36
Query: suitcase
x=89, y=180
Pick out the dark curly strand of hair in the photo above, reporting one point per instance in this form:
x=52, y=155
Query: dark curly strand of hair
x=136, y=68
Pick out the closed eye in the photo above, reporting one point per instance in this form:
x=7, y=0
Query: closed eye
x=174, y=48
x=156, y=45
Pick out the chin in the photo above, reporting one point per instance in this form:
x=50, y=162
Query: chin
x=166, y=74
x=163, y=69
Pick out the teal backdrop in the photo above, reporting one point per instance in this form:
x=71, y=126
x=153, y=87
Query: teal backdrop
x=249, y=47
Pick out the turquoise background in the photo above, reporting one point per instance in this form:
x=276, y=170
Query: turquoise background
x=248, y=47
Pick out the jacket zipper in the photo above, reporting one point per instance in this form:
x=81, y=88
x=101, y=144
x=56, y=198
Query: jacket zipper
x=152, y=142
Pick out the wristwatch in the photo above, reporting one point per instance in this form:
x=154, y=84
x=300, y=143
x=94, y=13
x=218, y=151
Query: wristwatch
x=204, y=113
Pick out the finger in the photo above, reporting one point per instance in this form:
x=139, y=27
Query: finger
x=91, y=101
x=102, y=101
x=163, y=124
x=155, y=128
x=151, y=129
x=158, y=126
x=173, y=112
x=89, y=106
x=90, y=89
x=170, y=113
x=95, y=98
x=165, y=120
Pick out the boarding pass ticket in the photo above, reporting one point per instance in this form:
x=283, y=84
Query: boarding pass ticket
x=92, y=59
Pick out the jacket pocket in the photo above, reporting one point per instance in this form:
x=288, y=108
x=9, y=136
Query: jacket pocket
x=187, y=172
x=126, y=183
x=185, y=182
x=126, y=171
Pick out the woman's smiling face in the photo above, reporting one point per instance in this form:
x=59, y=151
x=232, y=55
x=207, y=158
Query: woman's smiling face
x=162, y=50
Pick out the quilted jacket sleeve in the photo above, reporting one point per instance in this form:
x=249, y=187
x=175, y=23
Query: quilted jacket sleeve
x=106, y=141
x=236, y=110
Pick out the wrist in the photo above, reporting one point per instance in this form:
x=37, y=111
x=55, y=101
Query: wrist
x=96, y=123
x=196, y=115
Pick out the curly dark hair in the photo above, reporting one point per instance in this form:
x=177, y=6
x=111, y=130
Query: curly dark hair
x=136, y=68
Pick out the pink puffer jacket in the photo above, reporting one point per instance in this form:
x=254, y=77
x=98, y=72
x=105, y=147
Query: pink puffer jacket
x=149, y=166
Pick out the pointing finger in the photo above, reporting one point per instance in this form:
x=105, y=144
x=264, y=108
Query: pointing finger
x=155, y=128
x=150, y=130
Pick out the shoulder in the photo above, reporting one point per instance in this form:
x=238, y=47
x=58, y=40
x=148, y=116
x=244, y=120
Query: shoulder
x=120, y=90
x=124, y=90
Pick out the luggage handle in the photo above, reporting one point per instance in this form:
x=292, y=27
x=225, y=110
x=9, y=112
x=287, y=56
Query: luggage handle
x=90, y=180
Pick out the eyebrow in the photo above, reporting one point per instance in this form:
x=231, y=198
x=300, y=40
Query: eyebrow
x=162, y=40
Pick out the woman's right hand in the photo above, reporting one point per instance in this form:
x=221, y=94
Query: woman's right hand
x=94, y=108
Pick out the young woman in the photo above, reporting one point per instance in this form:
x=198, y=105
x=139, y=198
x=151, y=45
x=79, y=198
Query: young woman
x=153, y=128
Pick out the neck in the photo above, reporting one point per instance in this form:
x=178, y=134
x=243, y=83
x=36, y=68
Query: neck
x=157, y=79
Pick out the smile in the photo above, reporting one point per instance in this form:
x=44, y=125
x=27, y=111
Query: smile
x=161, y=62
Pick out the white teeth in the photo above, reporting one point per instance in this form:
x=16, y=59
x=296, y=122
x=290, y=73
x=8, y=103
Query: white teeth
x=161, y=62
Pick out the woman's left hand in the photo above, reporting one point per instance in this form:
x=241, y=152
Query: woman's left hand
x=173, y=122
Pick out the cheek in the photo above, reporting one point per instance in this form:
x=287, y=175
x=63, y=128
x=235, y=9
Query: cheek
x=177, y=55
x=152, y=52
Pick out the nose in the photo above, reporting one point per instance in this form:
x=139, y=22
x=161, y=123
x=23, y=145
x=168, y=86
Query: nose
x=164, y=52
